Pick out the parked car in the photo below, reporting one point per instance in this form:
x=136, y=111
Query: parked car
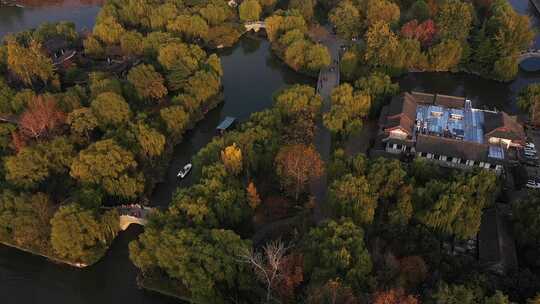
x=530, y=145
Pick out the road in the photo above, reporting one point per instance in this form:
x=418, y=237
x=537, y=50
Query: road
x=328, y=80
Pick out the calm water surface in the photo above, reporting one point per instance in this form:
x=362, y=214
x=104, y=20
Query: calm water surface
x=251, y=77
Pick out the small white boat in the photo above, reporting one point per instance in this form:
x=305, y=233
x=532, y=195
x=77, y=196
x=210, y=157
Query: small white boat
x=182, y=173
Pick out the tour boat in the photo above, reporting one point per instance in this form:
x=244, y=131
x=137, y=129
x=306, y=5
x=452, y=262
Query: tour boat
x=182, y=173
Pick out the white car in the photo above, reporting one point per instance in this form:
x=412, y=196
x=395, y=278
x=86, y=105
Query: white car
x=182, y=173
x=530, y=145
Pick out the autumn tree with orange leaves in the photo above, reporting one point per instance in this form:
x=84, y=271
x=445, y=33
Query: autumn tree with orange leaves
x=41, y=118
x=333, y=292
x=296, y=165
x=394, y=296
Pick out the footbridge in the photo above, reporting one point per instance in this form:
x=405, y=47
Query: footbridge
x=133, y=214
x=255, y=26
x=529, y=54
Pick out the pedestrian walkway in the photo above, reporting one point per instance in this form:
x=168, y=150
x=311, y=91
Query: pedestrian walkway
x=329, y=78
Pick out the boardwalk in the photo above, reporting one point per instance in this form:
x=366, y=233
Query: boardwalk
x=328, y=80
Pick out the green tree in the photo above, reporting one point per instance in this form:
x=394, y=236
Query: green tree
x=454, y=20
x=454, y=294
x=306, y=8
x=176, y=120
x=347, y=20
x=82, y=122
x=29, y=63
x=348, y=110
x=381, y=11
x=204, y=261
x=131, y=43
x=111, y=110
x=528, y=100
x=108, y=30
x=147, y=82
x=110, y=166
x=381, y=45
x=152, y=142
x=80, y=235
x=351, y=197
x=445, y=56
x=250, y=10
x=191, y=27
x=337, y=250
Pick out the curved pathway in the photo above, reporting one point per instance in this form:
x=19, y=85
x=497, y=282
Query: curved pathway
x=529, y=54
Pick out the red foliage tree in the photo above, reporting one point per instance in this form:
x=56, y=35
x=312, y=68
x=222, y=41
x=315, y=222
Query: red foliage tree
x=18, y=141
x=423, y=32
x=413, y=270
x=41, y=117
x=292, y=272
x=394, y=296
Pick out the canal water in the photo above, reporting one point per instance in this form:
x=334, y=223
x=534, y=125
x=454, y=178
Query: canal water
x=251, y=76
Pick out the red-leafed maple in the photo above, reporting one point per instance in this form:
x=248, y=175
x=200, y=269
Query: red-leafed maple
x=424, y=32
x=394, y=296
x=41, y=117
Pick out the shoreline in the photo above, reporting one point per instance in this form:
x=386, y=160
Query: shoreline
x=56, y=260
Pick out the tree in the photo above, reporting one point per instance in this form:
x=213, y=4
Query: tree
x=337, y=250
x=131, y=43
x=424, y=32
x=381, y=11
x=454, y=20
x=298, y=99
x=231, y=157
x=332, y=292
x=445, y=56
x=346, y=18
x=147, y=82
x=351, y=197
x=381, y=45
x=93, y=48
x=176, y=120
x=271, y=268
x=413, y=271
x=454, y=294
x=394, y=296
x=82, y=122
x=80, y=235
x=296, y=165
x=250, y=10
x=215, y=14
x=33, y=164
x=253, y=196
x=29, y=63
x=191, y=27
x=108, y=30
x=306, y=8
x=317, y=57
x=152, y=142
x=348, y=110
x=41, y=118
x=111, y=110
x=108, y=165
x=205, y=261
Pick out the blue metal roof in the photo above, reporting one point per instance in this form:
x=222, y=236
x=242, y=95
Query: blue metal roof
x=226, y=123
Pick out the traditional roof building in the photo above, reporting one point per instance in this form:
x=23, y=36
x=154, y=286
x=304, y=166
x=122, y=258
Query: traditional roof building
x=447, y=129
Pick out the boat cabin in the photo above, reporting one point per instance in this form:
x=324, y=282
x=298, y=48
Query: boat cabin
x=226, y=124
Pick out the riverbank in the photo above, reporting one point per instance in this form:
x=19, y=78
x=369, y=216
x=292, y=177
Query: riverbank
x=164, y=286
x=56, y=260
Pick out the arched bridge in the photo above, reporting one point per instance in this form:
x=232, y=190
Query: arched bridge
x=254, y=26
x=529, y=54
x=133, y=214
